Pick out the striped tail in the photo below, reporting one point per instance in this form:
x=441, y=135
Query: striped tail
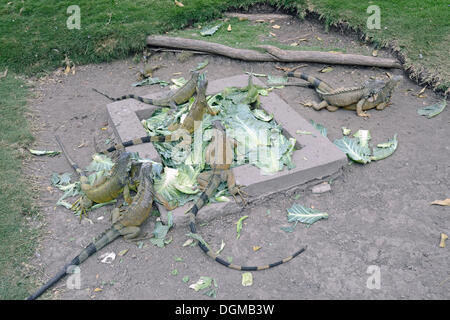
x=107, y=237
x=141, y=140
x=128, y=96
x=212, y=185
x=69, y=159
x=315, y=82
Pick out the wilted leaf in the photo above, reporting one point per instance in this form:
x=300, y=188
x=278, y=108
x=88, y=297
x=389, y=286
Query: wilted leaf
x=298, y=213
x=444, y=237
x=179, y=4
x=375, y=53
x=275, y=26
x=44, y=152
x=363, y=137
x=202, y=283
x=247, y=279
x=432, y=110
x=150, y=81
x=222, y=245
x=188, y=242
x=210, y=31
x=100, y=163
x=445, y=202
x=346, y=131
x=326, y=69
x=239, y=226
x=386, y=150
x=229, y=27
x=174, y=272
x=256, y=248
x=319, y=127
x=185, y=279
x=262, y=115
x=98, y=289
x=123, y=252
x=353, y=150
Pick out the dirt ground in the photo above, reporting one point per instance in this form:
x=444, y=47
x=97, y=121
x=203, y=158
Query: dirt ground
x=379, y=213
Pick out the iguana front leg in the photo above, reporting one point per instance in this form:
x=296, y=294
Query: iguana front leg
x=359, y=108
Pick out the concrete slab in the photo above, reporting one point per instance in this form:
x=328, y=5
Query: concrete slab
x=317, y=158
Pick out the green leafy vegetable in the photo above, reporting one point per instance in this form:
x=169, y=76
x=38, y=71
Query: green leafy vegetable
x=298, y=213
x=44, y=152
x=353, y=150
x=384, y=150
x=433, y=110
x=239, y=226
x=363, y=137
x=319, y=127
x=150, y=81
x=210, y=31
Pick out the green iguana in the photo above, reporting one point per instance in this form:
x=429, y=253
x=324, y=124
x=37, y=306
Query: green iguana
x=180, y=130
x=125, y=224
x=219, y=155
x=178, y=97
x=372, y=94
x=106, y=188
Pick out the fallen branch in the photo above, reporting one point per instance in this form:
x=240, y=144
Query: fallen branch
x=272, y=54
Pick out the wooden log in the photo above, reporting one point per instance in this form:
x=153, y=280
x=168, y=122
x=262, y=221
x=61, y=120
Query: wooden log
x=272, y=54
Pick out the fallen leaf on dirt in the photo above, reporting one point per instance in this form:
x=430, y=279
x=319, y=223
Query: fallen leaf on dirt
x=123, y=252
x=294, y=44
x=229, y=27
x=433, y=110
x=319, y=38
x=44, y=152
x=260, y=20
x=239, y=226
x=303, y=132
x=422, y=96
x=444, y=237
x=188, y=242
x=421, y=91
x=185, y=279
x=272, y=34
x=179, y=4
x=275, y=26
x=98, y=289
x=445, y=202
x=210, y=31
x=256, y=248
x=174, y=272
x=222, y=245
x=375, y=53
x=346, y=131
x=247, y=279
x=302, y=39
x=108, y=257
x=202, y=283
x=326, y=69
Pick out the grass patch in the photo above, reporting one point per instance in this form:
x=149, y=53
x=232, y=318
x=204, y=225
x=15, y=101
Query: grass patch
x=16, y=239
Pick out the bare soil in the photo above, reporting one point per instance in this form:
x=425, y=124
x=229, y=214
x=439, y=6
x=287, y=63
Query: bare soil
x=379, y=213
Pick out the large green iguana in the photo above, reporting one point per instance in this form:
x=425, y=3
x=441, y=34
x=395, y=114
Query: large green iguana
x=372, y=94
x=125, y=224
x=180, y=130
x=106, y=188
x=219, y=155
x=178, y=97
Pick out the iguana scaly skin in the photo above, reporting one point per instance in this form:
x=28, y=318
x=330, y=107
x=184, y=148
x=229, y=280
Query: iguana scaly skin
x=178, y=97
x=180, y=130
x=125, y=224
x=219, y=155
x=372, y=94
x=107, y=188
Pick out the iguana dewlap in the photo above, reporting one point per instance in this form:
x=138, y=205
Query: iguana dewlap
x=125, y=224
x=219, y=155
x=372, y=94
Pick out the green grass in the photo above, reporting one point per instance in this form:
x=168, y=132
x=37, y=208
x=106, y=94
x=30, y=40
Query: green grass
x=16, y=239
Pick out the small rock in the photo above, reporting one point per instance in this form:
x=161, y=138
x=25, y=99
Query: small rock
x=321, y=188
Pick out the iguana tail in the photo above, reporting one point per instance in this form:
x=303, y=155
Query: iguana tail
x=160, y=138
x=315, y=82
x=212, y=186
x=69, y=159
x=105, y=238
x=128, y=96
